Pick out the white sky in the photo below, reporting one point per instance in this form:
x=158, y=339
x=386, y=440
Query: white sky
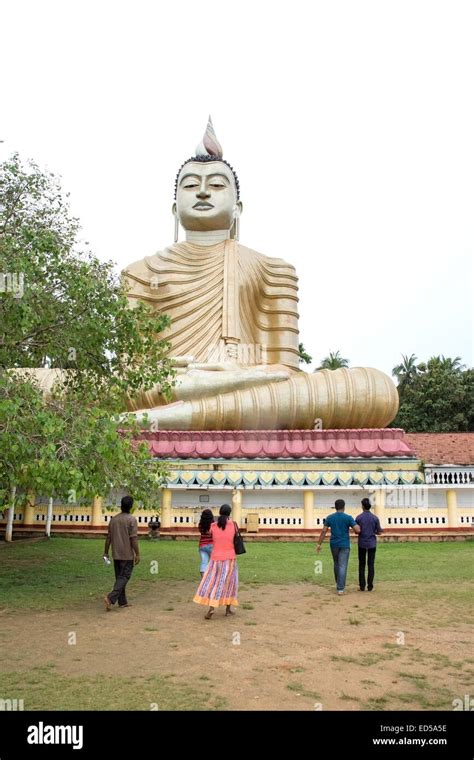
x=350, y=125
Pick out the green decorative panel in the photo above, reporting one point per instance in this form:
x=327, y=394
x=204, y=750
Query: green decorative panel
x=203, y=478
x=376, y=478
x=234, y=478
x=250, y=478
x=361, y=478
x=329, y=478
x=297, y=478
x=188, y=476
x=345, y=478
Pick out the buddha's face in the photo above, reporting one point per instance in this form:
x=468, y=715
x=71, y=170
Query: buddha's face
x=206, y=198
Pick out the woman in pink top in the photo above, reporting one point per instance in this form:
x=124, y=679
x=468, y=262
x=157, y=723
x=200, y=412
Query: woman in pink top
x=218, y=587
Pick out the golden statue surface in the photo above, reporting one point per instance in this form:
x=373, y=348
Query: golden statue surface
x=234, y=324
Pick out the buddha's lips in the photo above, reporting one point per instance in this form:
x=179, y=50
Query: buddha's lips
x=202, y=205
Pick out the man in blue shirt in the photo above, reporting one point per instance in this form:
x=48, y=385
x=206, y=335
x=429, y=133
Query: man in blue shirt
x=369, y=530
x=340, y=544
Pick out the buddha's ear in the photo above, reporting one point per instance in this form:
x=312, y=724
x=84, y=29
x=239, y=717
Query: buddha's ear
x=235, y=229
x=174, y=211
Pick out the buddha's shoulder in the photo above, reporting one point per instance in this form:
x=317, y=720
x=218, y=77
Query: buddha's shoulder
x=269, y=262
x=143, y=268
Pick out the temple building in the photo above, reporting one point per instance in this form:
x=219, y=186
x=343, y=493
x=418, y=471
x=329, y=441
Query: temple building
x=282, y=483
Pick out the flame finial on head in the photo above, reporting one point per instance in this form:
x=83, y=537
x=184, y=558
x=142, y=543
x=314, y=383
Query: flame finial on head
x=209, y=146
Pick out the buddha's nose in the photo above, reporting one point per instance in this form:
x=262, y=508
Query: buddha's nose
x=203, y=191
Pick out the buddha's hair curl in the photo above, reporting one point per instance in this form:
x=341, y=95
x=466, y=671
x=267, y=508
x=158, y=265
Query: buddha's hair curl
x=205, y=160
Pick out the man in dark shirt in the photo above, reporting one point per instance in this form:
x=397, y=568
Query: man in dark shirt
x=369, y=530
x=123, y=535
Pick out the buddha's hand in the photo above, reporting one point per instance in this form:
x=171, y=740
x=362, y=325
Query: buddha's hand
x=197, y=380
x=184, y=364
x=200, y=380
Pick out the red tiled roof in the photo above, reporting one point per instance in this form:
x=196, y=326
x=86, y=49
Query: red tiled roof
x=443, y=448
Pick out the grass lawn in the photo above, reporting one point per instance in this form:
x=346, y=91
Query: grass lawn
x=298, y=642
x=61, y=572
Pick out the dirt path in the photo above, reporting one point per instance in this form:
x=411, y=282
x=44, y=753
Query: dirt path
x=288, y=647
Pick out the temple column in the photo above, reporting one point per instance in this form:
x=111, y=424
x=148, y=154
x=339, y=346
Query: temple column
x=379, y=505
x=97, y=519
x=237, y=506
x=29, y=513
x=308, y=506
x=166, y=508
x=452, y=505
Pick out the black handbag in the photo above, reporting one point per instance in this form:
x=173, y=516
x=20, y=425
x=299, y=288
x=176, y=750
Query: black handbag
x=239, y=545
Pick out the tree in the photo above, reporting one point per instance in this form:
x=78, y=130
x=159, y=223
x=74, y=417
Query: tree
x=19, y=414
x=450, y=365
x=405, y=372
x=67, y=448
x=438, y=398
x=333, y=361
x=304, y=357
x=63, y=308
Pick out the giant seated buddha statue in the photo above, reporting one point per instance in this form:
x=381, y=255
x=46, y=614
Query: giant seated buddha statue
x=234, y=324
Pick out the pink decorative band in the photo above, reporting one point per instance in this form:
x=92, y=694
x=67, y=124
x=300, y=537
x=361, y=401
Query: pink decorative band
x=283, y=444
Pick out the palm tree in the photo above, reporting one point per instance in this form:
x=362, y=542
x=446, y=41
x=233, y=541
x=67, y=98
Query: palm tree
x=333, y=361
x=449, y=365
x=406, y=371
x=303, y=355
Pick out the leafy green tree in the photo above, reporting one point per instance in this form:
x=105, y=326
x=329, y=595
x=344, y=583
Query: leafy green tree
x=468, y=378
x=67, y=448
x=304, y=357
x=20, y=415
x=438, y=398
x=62, y=308
x=333, y=361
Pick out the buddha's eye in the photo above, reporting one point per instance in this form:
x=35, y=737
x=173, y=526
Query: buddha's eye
x=190, y=185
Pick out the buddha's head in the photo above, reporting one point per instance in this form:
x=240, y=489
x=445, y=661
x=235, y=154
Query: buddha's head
x=207, y=189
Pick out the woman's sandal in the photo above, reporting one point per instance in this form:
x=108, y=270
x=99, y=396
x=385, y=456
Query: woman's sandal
x=209, y=614
x=229, y=612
